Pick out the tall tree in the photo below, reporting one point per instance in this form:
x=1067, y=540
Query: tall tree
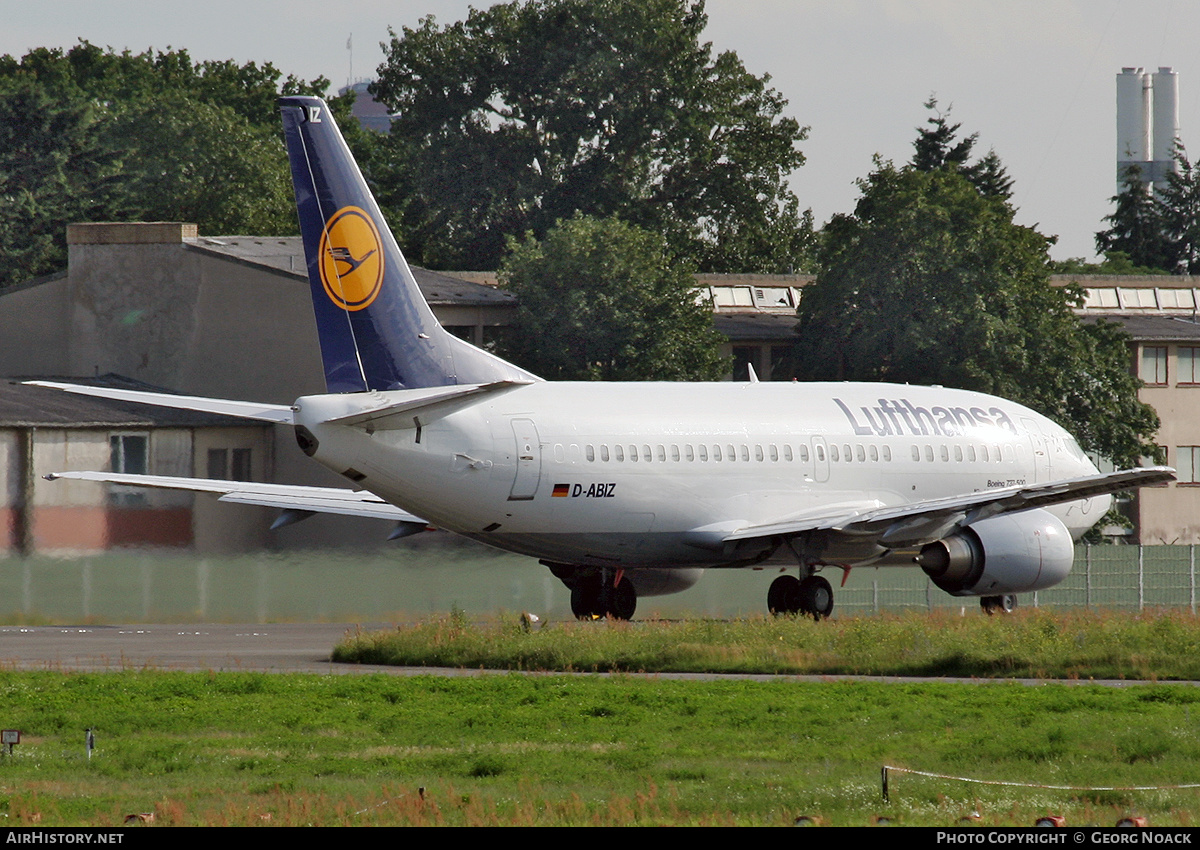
x=1179, y=213
x=528, y=112
x=600, y=299
x=1136, y=225
x=930, y=281
x=937, y=146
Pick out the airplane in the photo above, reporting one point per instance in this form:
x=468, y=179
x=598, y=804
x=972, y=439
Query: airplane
x=627, y=490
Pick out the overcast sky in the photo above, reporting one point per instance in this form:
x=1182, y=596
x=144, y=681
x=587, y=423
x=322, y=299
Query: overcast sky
x=1035, y=78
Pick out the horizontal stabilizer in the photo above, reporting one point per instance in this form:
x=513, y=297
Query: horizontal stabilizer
x=260, y=411
x=288, y=497
x=426, y=405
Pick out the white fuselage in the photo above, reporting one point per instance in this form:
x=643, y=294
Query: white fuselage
x=635, y=474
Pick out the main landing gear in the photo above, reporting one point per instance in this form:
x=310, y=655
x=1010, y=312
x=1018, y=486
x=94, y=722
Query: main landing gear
x=812, y=597
x=606, y=594
x=998, y=604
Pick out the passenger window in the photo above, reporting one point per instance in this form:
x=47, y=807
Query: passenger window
x=958, y=456
x=646, y=456
x=804, y=454
x=916, y=453
x=820, y=453
x=787, y=453
x=745, y=452
x=929, y=453
x=620, y=453
x=633, y=455
x=674, y=452
x=859, y=453
x=591, y=453
x=758, y=453
x=846, y=452
x=887, y=453
x=874, y=454
x=604, y=452
x=703, y=453
x=689, y=453
x=945, y=452
x=833, y=452
x=716, y=452
x=774, y=453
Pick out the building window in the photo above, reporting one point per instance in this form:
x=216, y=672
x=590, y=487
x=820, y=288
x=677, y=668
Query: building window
x=1154, y=365
x=128, y=453
x=1189, y=365
x=1187, y=464
x=230, y=464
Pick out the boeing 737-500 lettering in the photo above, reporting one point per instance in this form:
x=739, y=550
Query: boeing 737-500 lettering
x=633, y=489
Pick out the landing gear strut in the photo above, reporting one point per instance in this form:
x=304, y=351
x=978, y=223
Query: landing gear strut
x=603, y=595
x=812, y=597
x=998, y=604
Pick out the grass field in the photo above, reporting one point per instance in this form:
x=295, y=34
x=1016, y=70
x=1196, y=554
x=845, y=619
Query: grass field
x=246, y=749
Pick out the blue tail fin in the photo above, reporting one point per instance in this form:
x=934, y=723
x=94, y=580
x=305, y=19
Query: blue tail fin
x=376, y=331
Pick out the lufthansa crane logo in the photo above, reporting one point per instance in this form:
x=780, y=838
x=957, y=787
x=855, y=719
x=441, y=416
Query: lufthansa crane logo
x=351, y=259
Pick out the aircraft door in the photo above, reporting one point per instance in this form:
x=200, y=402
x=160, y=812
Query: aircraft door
x=1041, y=451
x=529, y=461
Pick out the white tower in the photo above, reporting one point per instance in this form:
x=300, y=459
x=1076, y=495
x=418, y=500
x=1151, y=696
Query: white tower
x=1147, y=123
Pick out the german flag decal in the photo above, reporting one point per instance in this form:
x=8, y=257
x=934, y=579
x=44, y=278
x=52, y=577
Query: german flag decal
x=562, y=491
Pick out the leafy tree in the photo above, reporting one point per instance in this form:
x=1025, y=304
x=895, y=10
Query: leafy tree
x=194, y=161
x=930, y=281
x=528, y=112
x=53, y=170
x=89, y=134
x=1115, y=262
x=1136, y=225
x=604, y=300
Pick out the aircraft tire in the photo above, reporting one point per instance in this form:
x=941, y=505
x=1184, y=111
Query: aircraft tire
x=998, y=604
x=585, y=599
x=816, y=597
x=622, y=601
x=783, y=597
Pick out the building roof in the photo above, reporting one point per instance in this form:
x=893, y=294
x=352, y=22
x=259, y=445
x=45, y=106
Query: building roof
x=23, y=406
x=286, y=254
x=1153, y=328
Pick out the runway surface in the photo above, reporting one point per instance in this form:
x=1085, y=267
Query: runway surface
x=276, y=648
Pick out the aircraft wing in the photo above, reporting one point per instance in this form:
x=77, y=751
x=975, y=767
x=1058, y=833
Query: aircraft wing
x=287, y=497
x=923, y=522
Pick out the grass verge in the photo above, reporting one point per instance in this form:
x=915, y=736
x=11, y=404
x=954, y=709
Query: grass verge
x=1033, y=643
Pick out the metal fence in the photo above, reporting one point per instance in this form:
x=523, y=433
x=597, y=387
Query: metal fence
x=1127, y=577
x=416, y=581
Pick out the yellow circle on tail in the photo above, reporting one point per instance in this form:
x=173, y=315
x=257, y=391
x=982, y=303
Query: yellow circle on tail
x=351, y=259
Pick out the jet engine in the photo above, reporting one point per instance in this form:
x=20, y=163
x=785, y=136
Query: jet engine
x=1010, y=553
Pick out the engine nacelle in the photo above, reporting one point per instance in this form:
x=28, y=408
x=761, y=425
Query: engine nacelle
x=1010, y=553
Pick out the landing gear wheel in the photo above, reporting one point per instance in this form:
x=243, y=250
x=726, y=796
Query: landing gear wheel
x=593, y=599
x=783, y=597
x=585, y=599
x=622, y=601
x=816, y=597
x=998, y=604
